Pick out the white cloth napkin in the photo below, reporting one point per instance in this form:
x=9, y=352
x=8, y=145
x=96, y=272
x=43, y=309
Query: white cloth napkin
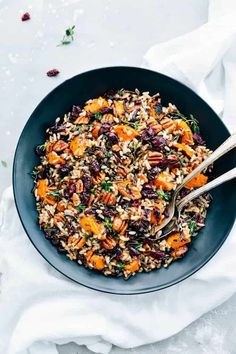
x=39, y=307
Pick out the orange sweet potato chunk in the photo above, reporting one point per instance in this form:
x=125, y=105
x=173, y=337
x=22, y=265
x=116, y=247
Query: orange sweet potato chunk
x=175, y=241
x=164, y=180
x=96, y=105
x=125, y=132
x=197, y=181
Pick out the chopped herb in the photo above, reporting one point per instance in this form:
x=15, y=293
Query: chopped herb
x=55, y=193
x=181, y=159
x=127, y=187
x=93, y=191
x=107, y=223
x=81, y=208
x=86, y=235
x=194, y=124
x=107, y=155
x=79, y=127
x=98, y=115
x=106, y=186
x=120, y=265
x=120, y=92
x=163, y=195
x=135, y=124
x=137, y=245
x=4, y=163
x=35, y=173
x=192, y=121
x=68, y=36
x=192, y=227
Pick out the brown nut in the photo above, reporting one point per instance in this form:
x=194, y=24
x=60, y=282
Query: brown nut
x=82, y=120
x=154, y=157
x=168, y=124
x=107, y=118
x=109, y=243
x=60, y=145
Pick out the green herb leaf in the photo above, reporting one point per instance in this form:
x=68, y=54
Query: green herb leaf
x=120, y=92
x=98, y=115
x=137, y=245
x=86, y=235
x=135, y=124
x=107, y=155
x=192, y=121
x=81, y=208
x=181, y=159
x=68, y=36
x=192, y=227
x=4, y=163
x=107, y=223
x=55, y=193
x=79, y=127
x=121, y=265
x=106, y=186
x=163, y=195
x=35, y=173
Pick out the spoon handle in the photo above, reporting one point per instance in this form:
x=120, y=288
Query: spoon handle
x=227, y=145
x=216, y=182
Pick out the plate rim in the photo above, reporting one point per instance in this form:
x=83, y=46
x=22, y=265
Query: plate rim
x=100, y=288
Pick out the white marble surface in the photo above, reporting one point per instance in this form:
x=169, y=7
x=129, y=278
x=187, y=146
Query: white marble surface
x=107, y=33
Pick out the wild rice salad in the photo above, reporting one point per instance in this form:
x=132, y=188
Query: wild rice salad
x=107, y=174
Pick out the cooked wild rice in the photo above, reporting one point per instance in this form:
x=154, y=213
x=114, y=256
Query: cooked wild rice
x=107, y=173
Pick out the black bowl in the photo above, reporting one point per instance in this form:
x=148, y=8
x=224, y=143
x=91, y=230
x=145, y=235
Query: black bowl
x=77, y=90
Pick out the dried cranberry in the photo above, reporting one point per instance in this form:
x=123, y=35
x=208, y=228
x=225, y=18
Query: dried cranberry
x=140, y=226
x=57, y=128
x=87, y=182
x=112, y=138
x=158, y=143
x=198, y=139
x=153, y=173
x=94, y=168
x=61, y=249
x=133, y=251
x=105, y=128
x=157, y=213
x=55, y=241
x=70, y=191
x=53, y=72
x=108, y=212
x=84, y=197
x=157, y=254
x=148, y=192
x=90, y=212
x=40, y=150
x=45, y=172
x=106, y=110
x=135, y=203
x=65, y=170
x=158, y=108
x=109, y=94
x=25, y=16
x=147, y=135
x=49, y=233
x=208, y=197
x=166, y=212
x=76, y=110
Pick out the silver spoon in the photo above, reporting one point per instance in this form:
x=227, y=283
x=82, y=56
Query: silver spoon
x=194, y=194
x=227, y=145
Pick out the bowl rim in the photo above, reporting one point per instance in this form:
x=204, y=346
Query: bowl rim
x=100, y=288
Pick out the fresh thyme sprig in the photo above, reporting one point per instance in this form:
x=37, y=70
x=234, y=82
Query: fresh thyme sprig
x=68, y=36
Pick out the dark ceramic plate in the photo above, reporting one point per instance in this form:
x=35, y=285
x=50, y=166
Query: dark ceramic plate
x=77, y=90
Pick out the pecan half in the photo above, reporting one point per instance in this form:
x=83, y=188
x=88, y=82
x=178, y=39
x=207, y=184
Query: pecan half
x=154, y=157
x=168, y=124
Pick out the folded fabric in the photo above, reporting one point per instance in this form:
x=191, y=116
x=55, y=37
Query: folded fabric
x=39, y=307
